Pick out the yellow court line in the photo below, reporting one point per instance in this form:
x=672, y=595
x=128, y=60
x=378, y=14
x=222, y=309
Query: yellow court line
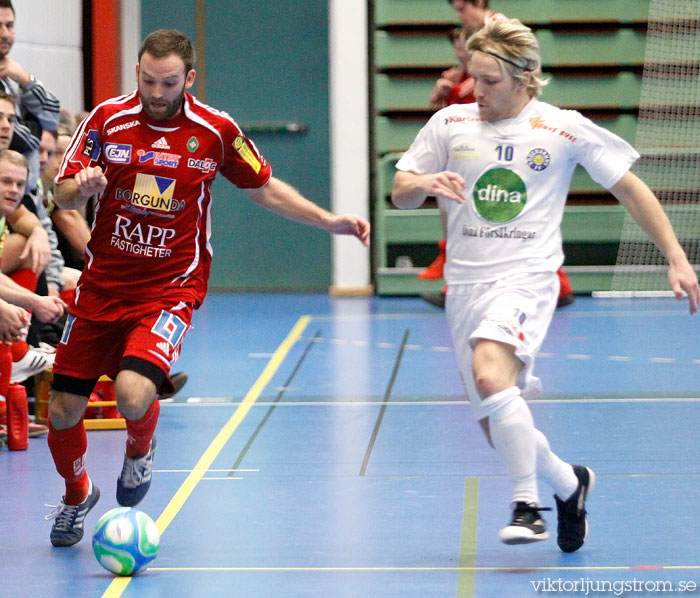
x=118, y=585
x=467, y=550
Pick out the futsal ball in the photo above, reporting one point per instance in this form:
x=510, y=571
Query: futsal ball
x=125, y=541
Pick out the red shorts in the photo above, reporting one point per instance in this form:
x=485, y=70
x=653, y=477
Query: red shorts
x=100, y=331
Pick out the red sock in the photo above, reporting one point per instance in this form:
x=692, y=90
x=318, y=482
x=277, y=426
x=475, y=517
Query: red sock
x=140, y=431
x=24, y=277
x=68, y=449
x=19, y=350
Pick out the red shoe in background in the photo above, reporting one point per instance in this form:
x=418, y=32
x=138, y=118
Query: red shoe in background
x=435, y=270
x=566, y=293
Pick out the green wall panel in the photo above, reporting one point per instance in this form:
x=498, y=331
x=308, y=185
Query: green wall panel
x=161, y=14
x=265, y=62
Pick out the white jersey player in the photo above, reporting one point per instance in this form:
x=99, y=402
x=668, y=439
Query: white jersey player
x=505, y=164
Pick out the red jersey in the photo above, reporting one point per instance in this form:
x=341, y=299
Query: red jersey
x=454, y=95
x=150, y=238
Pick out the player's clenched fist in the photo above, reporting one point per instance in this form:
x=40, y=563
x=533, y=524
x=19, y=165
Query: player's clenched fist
x=91, y=181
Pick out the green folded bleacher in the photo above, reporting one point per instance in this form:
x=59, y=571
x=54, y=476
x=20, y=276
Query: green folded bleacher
x=617, y=91
x=593, y=55
x=541, y=12
x=619, y=47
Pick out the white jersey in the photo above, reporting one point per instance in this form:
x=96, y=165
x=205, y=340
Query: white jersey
x=517, y=173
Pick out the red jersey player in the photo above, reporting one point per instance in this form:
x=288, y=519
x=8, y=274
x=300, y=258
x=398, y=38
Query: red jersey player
x=150, y=158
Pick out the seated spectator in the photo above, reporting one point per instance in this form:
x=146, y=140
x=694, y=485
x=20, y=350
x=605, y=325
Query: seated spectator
x=16, y=259
x=24, y=361
x=71, y=226
x=68, y=276
x=25, y=252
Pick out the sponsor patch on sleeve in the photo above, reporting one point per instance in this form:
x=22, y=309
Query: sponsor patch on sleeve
x=241, y=146
x=91, y=145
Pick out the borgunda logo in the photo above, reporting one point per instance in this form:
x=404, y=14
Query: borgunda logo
x=499, y=195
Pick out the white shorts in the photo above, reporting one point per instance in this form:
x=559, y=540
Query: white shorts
x=516, y=310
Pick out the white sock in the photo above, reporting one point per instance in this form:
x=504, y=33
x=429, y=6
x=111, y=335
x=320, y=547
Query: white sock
x=511, y=427
x=557, y=473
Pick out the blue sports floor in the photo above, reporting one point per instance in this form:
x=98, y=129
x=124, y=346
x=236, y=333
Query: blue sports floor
x=322, y=448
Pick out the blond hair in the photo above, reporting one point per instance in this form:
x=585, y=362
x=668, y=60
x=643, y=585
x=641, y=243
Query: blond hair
x=14, y=157
x=515, y=48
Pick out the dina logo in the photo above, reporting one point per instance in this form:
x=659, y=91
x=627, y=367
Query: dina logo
x=499, y=195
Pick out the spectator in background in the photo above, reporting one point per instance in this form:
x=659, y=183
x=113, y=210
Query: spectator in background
x=67, y=277
x=474, y=14
x=36, y=252
x=67, y=122
x=71, y=226
x=27, y=227
x=454, y=86
x=37, y=108
x=35, y=203
x=25, y=254
x=17, y=360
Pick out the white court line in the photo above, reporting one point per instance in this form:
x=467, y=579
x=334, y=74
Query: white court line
x=446, y=349
x=354, y=317
x=229, y=402
x=191, y=470
x=574, y=314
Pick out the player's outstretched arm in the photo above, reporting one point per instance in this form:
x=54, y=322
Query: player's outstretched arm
x=281, y=198
x=72, y=194
x=410, y=189
x=645, y=208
